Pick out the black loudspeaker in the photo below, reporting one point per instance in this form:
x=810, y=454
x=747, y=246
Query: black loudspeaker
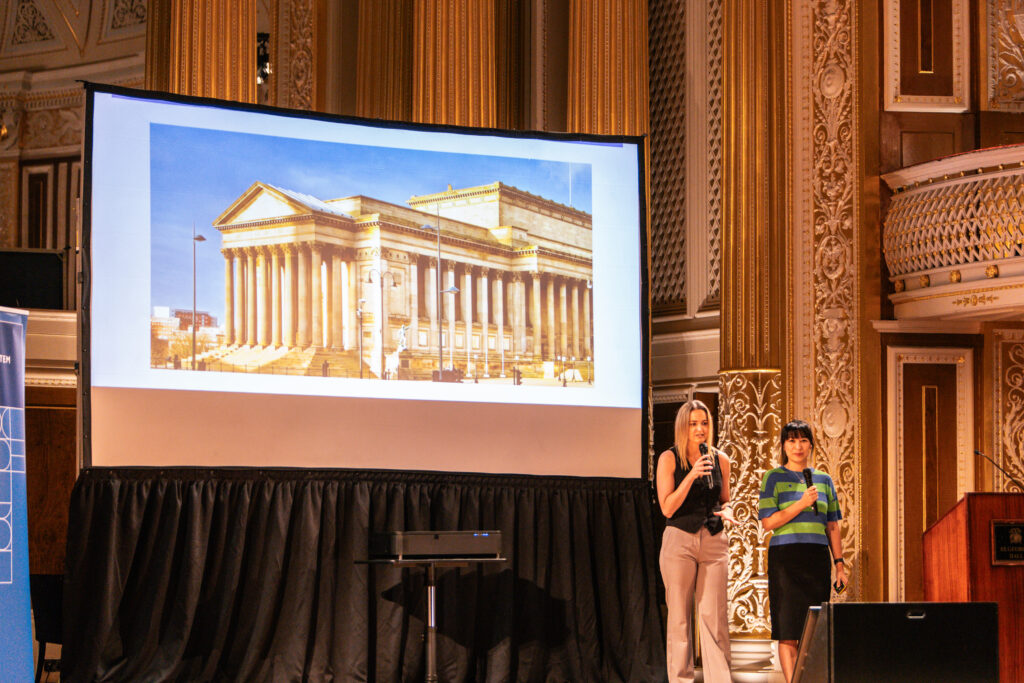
x=32, y=278
x=904, y=641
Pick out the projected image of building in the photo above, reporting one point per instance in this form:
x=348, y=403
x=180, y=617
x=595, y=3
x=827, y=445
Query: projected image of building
x=360, y=287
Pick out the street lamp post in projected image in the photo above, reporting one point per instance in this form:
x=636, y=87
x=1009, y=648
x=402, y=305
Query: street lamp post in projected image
x=195, y=239
x=437, y=298
x=453, y=290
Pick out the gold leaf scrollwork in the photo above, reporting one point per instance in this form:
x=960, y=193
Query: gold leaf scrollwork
x=749, y=424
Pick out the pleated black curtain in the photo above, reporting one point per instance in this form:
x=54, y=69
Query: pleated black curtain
x=254, y=575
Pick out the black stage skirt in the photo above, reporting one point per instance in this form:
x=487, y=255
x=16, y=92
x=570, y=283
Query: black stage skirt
x=799, y=575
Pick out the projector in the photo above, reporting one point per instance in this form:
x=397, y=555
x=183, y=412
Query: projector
x=427, y=545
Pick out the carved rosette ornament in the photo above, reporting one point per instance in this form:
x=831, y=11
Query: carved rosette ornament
x=1009, y=408
x=751, y=403
x=836, y=384
x=30, y=25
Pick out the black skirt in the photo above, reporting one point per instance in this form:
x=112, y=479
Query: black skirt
x=799, y=575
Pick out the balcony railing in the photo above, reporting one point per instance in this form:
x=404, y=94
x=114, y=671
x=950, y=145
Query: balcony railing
x=953, y=236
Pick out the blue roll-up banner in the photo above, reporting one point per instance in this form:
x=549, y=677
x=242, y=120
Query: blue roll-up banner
x=15, y=603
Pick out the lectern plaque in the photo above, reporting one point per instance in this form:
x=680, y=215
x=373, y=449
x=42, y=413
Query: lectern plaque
x=1008, y=541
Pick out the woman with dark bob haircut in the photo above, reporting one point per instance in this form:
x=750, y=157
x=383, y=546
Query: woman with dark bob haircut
x=806, y=542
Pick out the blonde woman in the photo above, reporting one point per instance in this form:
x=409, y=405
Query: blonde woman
x=693, y=488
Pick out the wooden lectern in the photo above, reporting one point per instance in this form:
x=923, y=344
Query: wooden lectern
x=975, y=553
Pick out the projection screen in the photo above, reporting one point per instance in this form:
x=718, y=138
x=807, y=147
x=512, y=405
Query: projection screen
x=273, y=288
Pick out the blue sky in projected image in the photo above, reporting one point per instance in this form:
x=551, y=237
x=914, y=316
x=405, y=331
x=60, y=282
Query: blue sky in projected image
x=197, y=173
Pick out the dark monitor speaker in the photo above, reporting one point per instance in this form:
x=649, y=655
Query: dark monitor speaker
x=32, y=278
x=905, y=641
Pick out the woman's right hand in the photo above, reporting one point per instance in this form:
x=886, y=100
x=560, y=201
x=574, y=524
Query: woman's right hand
x=810, y=497
x=702, y=467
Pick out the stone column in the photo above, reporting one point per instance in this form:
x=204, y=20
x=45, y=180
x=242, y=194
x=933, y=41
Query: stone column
x=467, y=309
x=587, y=334
x=485, y=325
x=262, y=298
x=238, y=256
x=535, y=318
x=338, y=307
x=288, y=295
x=519, y=306
x=499, y=316
x=229, y=298
x=250, y=296
x=563, y=319
x=414, y=302
x=432, y=288
x=575, y=305
x=552, y=348
x=317, y=291
x=449, y=308
x=350, y=288
x=275, y=295
x=302, y=337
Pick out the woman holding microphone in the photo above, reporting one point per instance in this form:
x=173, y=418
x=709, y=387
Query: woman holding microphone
x=693, y=486
x=799, y=504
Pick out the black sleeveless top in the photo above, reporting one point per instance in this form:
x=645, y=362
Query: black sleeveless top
x=699, y=507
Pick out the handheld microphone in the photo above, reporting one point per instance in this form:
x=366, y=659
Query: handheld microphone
x=709, y=478
x=810, y=484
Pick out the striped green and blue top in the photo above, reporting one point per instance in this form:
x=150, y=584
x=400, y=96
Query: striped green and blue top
x=782, y=487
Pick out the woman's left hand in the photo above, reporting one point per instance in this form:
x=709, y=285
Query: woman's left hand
x=841, y=575
x=726, y=514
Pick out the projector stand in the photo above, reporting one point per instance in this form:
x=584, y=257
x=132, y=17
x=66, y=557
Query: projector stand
x=430, y=565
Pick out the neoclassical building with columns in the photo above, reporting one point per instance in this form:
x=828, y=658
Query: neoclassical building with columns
x=309, y=280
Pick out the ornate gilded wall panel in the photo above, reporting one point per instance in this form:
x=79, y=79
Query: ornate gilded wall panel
x=837, y=270
x=751, y=403
x=1002, y=83
x=668, y=152
x=608, y=76
x=1009, y=408
x=8, y=200
x=48, y=34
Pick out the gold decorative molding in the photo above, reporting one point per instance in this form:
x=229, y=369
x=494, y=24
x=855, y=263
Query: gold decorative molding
x=975, y=300
x=749, y=423
x=958, y=100
x=205, y=48
x=896, y=358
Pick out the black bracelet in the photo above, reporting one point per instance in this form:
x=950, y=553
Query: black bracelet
x=839, y=560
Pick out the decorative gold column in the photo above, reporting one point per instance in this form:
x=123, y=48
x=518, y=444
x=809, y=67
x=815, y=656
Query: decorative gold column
x=461, y=71
x=202, y=47
x=753, y=291
x=608, y=77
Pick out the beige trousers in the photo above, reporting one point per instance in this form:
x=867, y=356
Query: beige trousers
x=696, y=563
